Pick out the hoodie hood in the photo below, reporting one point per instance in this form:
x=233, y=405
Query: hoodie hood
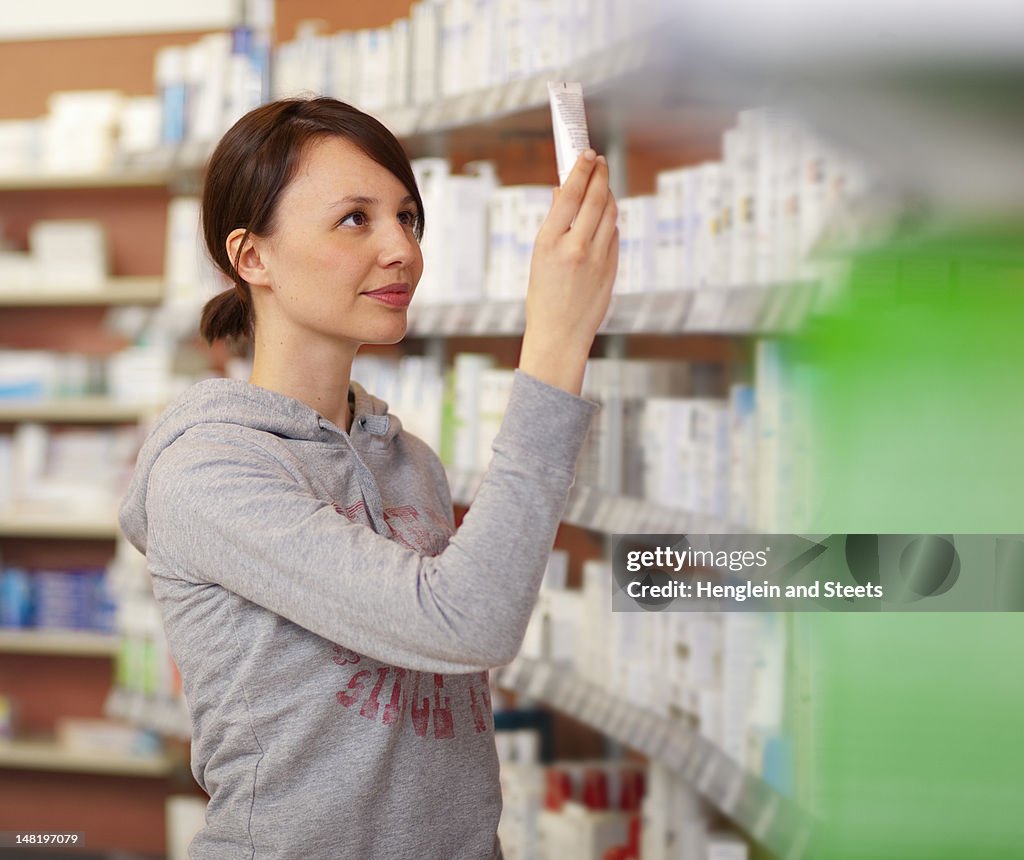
x=234, y=401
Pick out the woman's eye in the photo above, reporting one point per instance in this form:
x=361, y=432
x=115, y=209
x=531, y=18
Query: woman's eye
x=358, y=219
x=407, y=218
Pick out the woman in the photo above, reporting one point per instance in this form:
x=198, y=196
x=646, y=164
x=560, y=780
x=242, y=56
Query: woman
x=332, y=629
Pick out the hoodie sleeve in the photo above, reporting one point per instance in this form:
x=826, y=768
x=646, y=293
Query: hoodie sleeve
x=227, y=511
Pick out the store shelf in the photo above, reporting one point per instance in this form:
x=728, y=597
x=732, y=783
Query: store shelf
x=768, y=817
x=37, y=524
x=68, y=643
x=73, y=410
x=47, y=181
x=484, y=106
x=722, y=310
x=165, y=716
x=115, y=291
x=50, y=756
x=599, y=511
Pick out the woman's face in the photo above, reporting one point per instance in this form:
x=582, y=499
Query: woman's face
x=343, y=260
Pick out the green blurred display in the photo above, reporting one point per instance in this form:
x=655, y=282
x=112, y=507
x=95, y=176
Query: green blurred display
x=910, y=728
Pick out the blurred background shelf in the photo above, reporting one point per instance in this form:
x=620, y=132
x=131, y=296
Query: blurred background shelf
x=131, y=178
x=770, y=818
x=50, y=756
x=69, y=643
x=116, y=291
x=599, y=511
x=718, y=310
x=85, y=410
x=36, y=525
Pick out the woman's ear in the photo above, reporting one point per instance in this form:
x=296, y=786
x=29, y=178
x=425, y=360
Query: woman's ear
x=250, y=264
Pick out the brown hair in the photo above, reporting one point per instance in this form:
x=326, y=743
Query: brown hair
x=251, y=167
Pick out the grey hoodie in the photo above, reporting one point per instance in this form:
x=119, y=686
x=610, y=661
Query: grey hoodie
x=332, y=629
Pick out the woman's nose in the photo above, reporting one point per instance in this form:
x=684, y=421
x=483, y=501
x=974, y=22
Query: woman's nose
x=398, y=245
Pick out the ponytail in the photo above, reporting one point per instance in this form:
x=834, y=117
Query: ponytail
x=227, y=315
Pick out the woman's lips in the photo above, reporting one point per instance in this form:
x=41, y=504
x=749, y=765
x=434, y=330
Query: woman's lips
x=393, y=295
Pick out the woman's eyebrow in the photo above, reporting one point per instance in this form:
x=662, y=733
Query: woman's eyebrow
x=360, y=200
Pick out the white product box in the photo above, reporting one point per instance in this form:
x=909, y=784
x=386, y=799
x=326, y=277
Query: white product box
x=654, y=813
x=742, y=261
x=495, y=390
x=79, y=132
x=534, y=647
x=6, y=470
x=671, y=228
x=70, y=253
x=726, y=846
x=139, y=130
x=19, y=272
x=789, y=206
x=29, y=374
x=739, y=653
x=186, y=816
x=172, y=90
x=140, y=374
x=207, y=73
x=742, y=455
x=19, y=145
x=595, y=644
x=768, y=686
x=638, y=217
x=343, y=67
x=456, y=74
x=704, y=640
x=455, y=242
x=556, y=572
x=515, y=215
x=420, y=397
x=674, y=818
x=469, y=371
x=189, y=274
x=711, y=459
x=565, y=620
x=425, y=45
x=373, y=49
x=303, y=66
x=398, y=77
x=600, y=461
x=594, y=832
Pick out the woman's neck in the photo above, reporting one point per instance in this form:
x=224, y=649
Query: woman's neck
x=318, y=377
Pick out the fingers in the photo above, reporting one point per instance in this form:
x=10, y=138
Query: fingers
x=569, y=197
x=594, y=202
x=607, y=232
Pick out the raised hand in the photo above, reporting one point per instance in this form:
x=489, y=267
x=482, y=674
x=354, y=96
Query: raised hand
x=572, y=271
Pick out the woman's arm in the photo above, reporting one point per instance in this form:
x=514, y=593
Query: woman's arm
x=223, y=510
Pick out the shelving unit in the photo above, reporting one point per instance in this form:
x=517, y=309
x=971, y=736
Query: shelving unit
x=127, y=178
x=52, y=674
x=485, y=120
x=602, y=70
x=51, y=756
x=726, y=310
x=116, y=291
x=767, y=816
x=594, y=509
x=73, y=410
x=51, y=525
x=67, y=643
